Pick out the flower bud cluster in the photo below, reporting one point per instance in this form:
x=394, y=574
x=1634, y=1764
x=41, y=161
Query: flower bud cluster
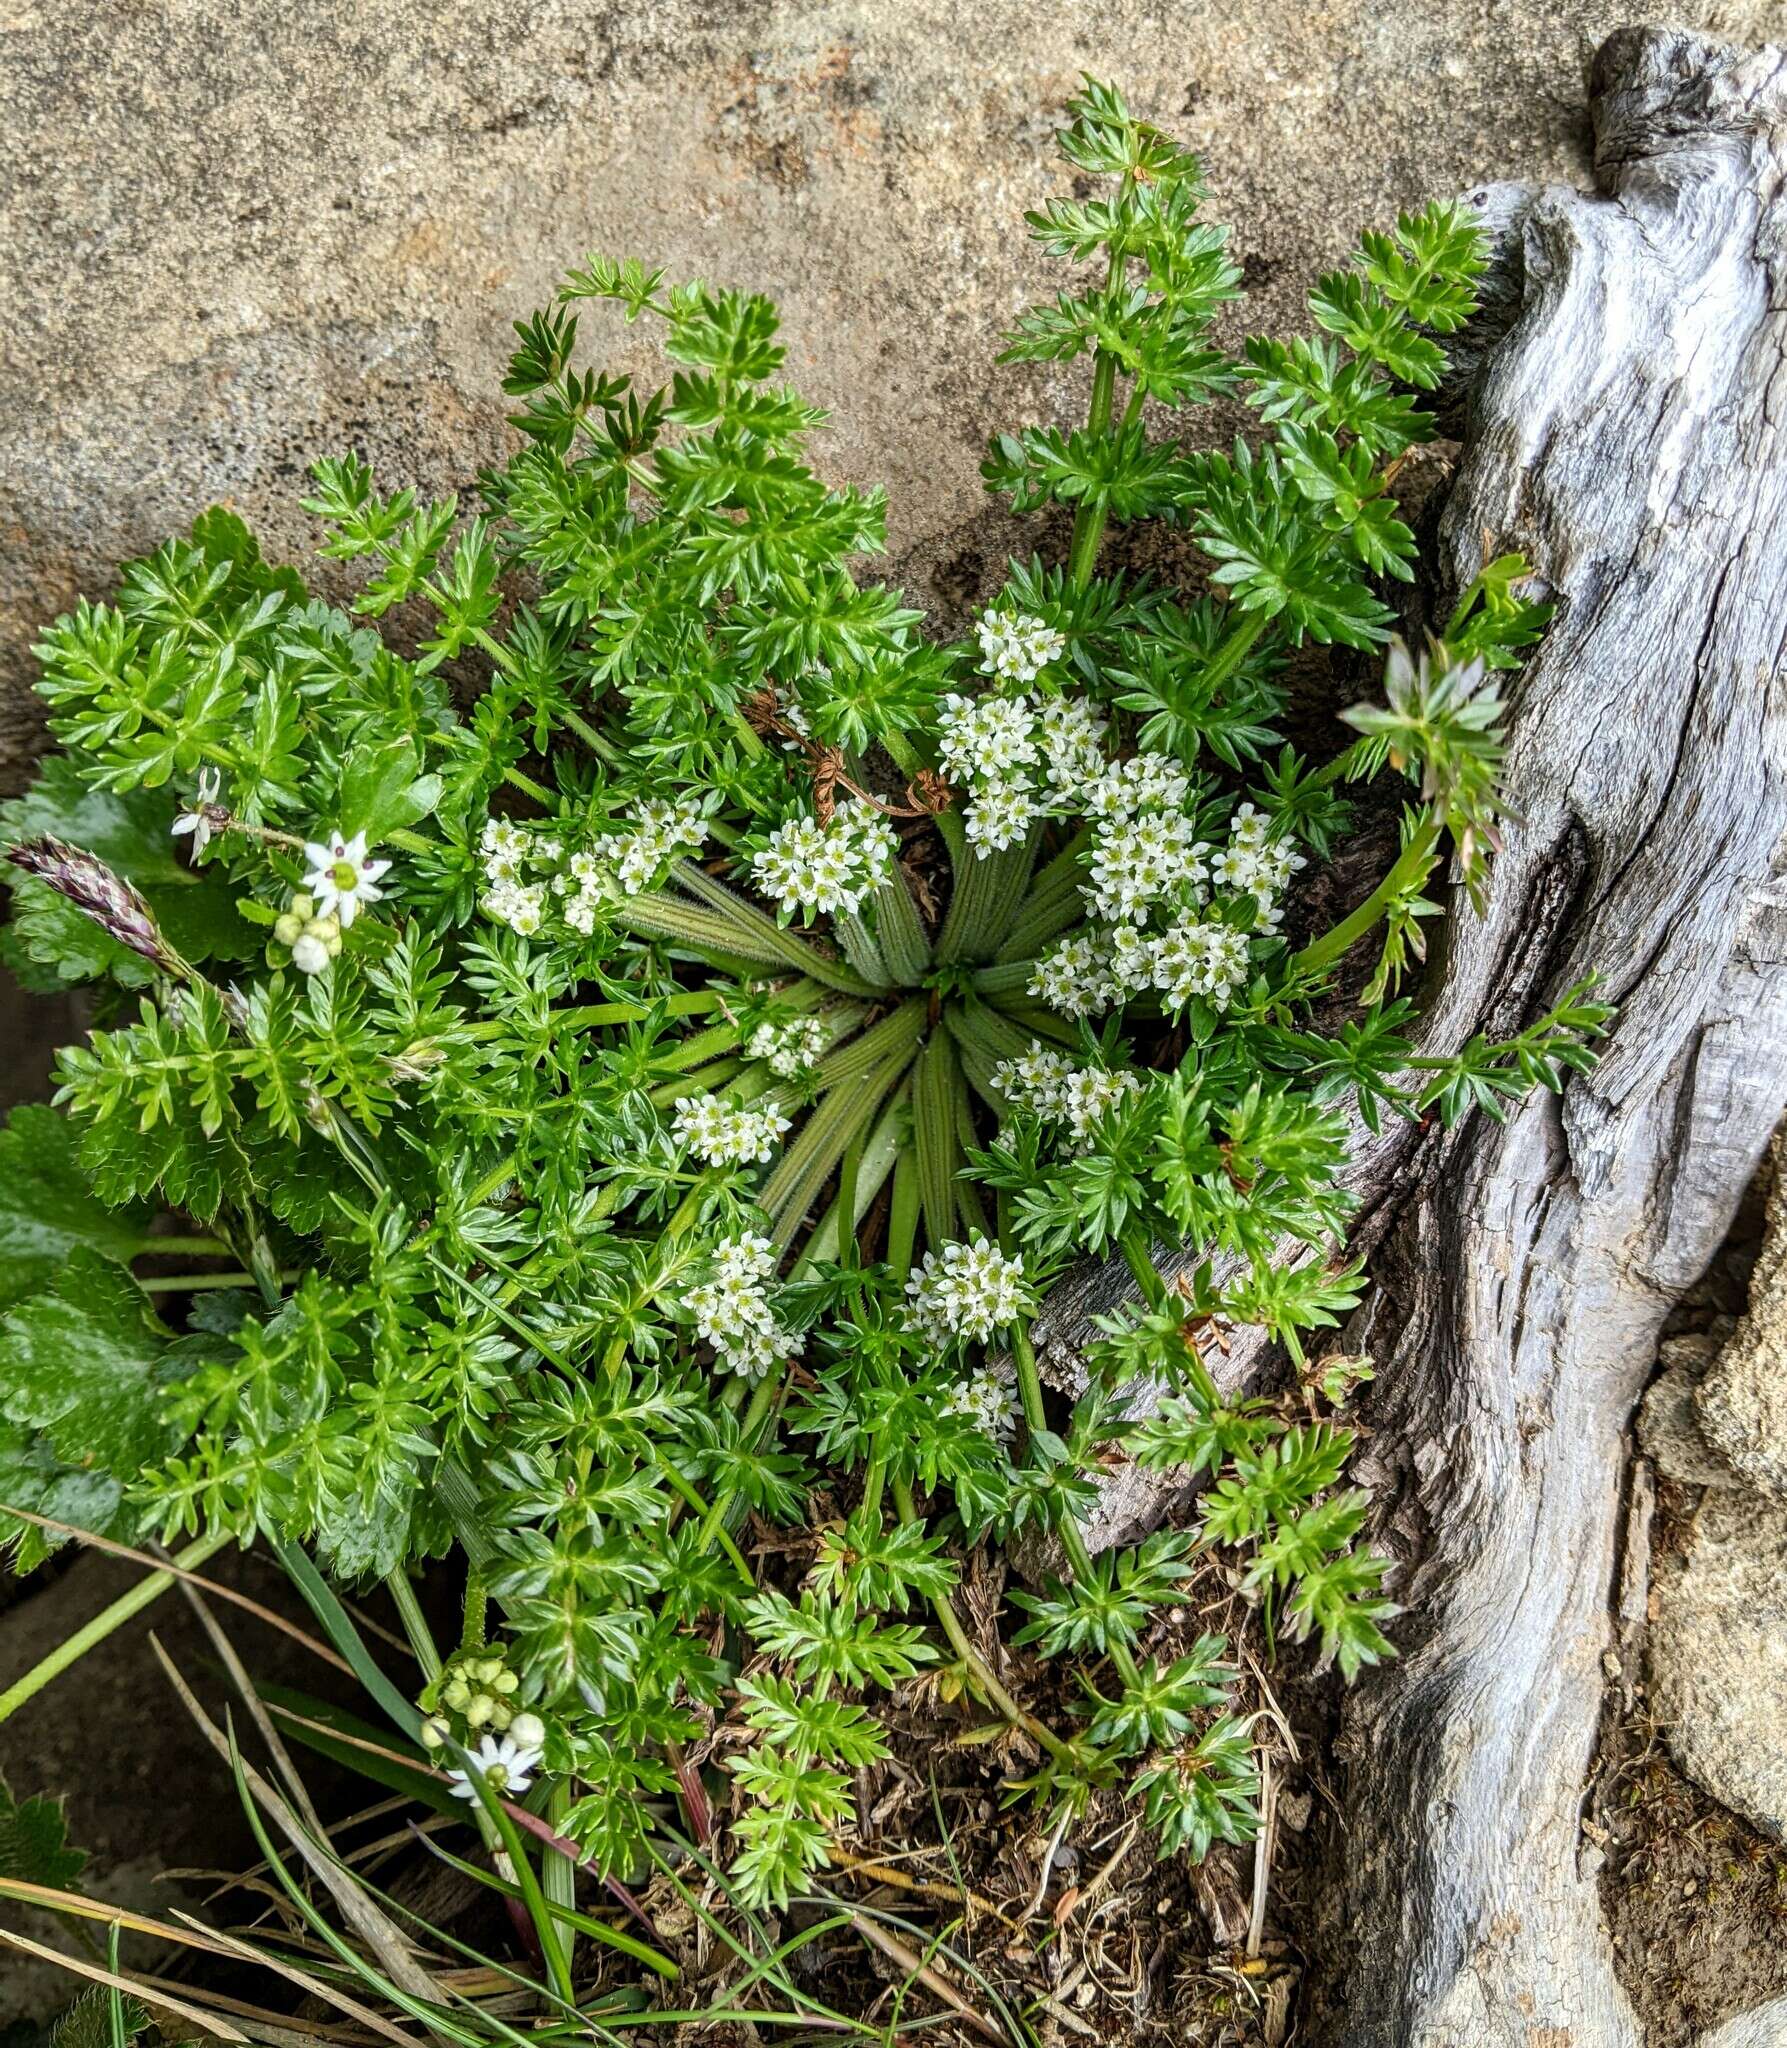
x=832, y=867
x=314, y=940
x=1047, y=1082
x=733, y=1311
x=792, y=1048
x=966, y=1290
x=727, y=1133
x=476, y=1691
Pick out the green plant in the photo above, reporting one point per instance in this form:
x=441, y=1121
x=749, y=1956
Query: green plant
x=750, y=1007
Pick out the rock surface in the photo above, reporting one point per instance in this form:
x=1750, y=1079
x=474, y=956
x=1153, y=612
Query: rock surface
x=1718, y=1656
x=1669, y=1422
x=241, y=239
x=1763, y=2026
x=1742, y=1400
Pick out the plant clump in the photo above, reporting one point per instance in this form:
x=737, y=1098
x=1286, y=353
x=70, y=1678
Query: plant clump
x=656, y=1094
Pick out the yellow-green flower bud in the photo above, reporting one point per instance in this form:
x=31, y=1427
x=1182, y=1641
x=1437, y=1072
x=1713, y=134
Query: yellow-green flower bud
x=288, y=928
x=479, y=1711
x=434, y=1732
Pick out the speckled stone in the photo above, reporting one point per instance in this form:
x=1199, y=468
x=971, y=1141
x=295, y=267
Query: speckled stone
x=238, y=238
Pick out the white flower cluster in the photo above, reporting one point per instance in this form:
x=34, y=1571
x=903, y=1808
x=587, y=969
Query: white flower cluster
x=989, y=1399
x=623, y=863
x=790, y=1048
x=732, y=1311
x=1019, y=759
x=1016, y=647
x=509, y=851
x=835, y=867
x=1153, y=882
x=1256, y=864
x=1093, y=971
x=1047, y=1082
x=971, y=1290
x=729, y=1133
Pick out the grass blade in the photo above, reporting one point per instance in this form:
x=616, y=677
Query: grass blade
x=340, y=1630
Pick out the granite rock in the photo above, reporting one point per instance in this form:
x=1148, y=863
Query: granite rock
x=238, y=239
x=1741, y=1401
x=1718, y=1656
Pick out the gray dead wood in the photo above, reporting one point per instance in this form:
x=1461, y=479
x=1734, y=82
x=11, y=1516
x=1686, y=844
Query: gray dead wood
x=1625, y=425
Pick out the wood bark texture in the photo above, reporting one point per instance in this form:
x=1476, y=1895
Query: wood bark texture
x=1622, y=401
x=1627, y=428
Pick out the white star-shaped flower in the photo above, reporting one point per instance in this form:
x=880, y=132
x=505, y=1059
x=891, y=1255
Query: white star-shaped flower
x=198, y=821
x=505, y=1764
x=341, y=877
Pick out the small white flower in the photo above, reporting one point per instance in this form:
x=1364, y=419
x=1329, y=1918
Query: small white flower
x=1016, y=647
x=309, y=954
x=970, y=1291
x=341, y=876
x=1045, y=1081
x=998, y=816
x=198, y=820
x=989, y=1399
x=727, y=1134
x=733, y=1313
x=835, y=867
x=792, y=1048
x=506, y=1764
x=519, y=905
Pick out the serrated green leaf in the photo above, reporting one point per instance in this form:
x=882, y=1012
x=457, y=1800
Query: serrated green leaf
x=47, y=1208
x=34, y=1846
x=80, y=1360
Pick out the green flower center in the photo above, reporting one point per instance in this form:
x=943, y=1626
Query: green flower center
x=344, y=874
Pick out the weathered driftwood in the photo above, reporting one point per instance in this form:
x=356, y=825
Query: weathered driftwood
x=1625, y=424
x=1629, y=431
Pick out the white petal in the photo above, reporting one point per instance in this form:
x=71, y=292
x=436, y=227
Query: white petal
x=347, y=906
x=354, y=850
x=370, y=870
x=318, y=855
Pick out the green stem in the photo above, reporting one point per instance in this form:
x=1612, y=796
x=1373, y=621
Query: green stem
x=558, y=1872
x=976, y=1665
x=846, y=1201
x=1089, y=520
x=592, y=739
x=873, y=1481
x=1234, y=648
x=477, y=1603
x=527, y=785
x=183, y=1247
x=198, y=1283
x=70, y=1651
x=1072, y=1542
x=1410, y=865
x=415, y=1623
x=902, y=1222
x=1139, y=1258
